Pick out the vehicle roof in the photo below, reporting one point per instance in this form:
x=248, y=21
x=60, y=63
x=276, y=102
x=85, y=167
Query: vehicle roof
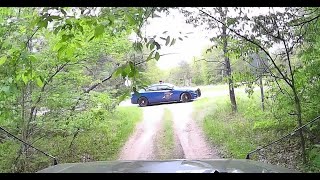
x=168, y=84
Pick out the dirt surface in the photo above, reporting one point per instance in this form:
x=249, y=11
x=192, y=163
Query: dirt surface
x=191, y=137
x=162, y=151
x=190, y=142
x=140, y=145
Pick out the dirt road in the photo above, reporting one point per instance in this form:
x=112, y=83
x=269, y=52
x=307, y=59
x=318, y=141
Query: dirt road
x=189, y=136
x=141, y=144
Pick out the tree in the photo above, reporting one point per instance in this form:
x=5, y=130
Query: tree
x=220, y=39
x=52, y=59
x=279, y=28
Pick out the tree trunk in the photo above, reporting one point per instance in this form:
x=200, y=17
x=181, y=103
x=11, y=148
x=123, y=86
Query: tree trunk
x=299, y=119
x=227, y=65
x=262, y=93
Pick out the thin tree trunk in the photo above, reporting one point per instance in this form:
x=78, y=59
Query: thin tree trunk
x=262, y=93
x=299, y=119
x=227, y=65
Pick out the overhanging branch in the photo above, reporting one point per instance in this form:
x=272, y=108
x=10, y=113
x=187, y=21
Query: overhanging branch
x=253, y=42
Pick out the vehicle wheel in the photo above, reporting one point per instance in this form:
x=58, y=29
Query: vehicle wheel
x=143, y=101
x=198, y=91
x=185, y=97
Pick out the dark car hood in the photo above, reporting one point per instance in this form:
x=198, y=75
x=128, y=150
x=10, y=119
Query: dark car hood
x=169, y=166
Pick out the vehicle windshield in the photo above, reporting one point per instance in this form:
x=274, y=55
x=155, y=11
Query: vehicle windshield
x=149, y=89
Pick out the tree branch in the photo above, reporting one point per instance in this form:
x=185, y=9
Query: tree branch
x=33, y=108
x=289, y=62
x=97, y=84
x=209, y=61
x=308, y=21
x=255, y=43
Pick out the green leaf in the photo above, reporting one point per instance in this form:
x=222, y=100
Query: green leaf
x=131, y=65
x=150, y=55
x=173, y=41
x=131, y=20
x=24, y=78
x=168, y=40
x=157, y=56
x=57, y=29
x=43, y=23
x=152, y=46
x=118, y=71
x=127, y=69
x=80, y=28
x=111, y=18
x=98, y=30
x=138, y=46
x=57, y=46
x=39, y=82
x=32, y=58
x=63, y=12
x=55, y=17
x=158, y=45
x=66, y=37
x=70, y=52
x=133, y=73
x=91, y=38
x=78, y=44
x=124, y=73
x=3, y=59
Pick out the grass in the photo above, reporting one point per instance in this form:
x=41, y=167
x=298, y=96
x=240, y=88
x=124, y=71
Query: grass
x=232, y=132
x=165, y=139
x=236, y=134
x=101, y=138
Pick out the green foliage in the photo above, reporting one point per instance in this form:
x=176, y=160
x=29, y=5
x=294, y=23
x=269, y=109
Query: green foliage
x=239, y=133
x=54, y=85
x=314, y=159
x=101, y=136
x=231, y=132
x=8, y=150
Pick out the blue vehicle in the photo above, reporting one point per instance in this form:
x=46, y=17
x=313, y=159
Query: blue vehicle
x=164, y=93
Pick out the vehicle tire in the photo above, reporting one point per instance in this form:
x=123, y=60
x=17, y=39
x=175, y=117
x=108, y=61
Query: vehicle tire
x=143, y=101
x=185, y=97
x=198, y=91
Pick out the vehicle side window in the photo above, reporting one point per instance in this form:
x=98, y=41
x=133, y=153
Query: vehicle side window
x=164, y=87
x=152, y=88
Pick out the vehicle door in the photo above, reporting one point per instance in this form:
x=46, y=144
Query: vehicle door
x=166, y=93
x=153, y=94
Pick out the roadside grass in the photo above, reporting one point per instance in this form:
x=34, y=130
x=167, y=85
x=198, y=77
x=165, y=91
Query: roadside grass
x=102, y=136
x=232, y=132
x=108, y=134
x=236, y=134
x=165, y=139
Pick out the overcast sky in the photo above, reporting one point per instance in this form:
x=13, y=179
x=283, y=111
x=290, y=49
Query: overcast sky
x=190, y=47
x=174, y=23
x=186, y=49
